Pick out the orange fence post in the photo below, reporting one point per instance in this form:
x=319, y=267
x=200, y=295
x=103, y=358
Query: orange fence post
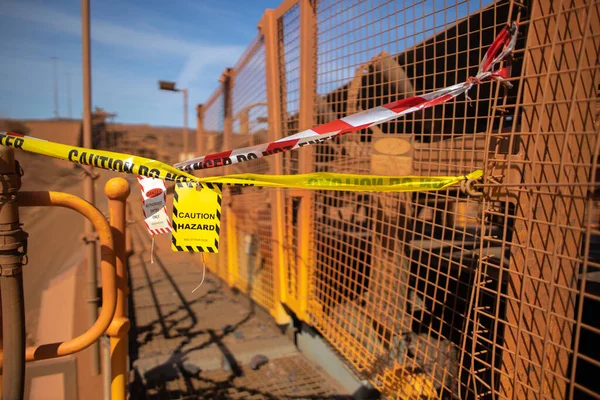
x=227, y=85
x=128, y=238
x=200, y=136
x=308, y=56
x=268, y=27
x=117, y=190
x=232, y=247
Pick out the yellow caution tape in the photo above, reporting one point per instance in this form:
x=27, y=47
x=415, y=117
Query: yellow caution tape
x=135, y=165
x=346, y=182
x=118, y=162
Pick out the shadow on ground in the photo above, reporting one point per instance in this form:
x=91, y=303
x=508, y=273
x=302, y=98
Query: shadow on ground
x=177, y=377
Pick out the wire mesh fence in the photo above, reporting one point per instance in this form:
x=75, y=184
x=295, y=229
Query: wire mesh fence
x=491, y=292
x=250, y=264
x=249, y=104
x=288, y=33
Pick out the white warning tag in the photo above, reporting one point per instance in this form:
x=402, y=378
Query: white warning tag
x=154, y=205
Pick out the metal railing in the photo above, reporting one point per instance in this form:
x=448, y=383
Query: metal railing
x=438, y=293
x=111, y=320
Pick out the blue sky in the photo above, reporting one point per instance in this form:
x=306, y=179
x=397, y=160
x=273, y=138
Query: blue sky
x=134, y=44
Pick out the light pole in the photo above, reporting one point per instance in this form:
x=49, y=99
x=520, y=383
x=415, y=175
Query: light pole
x=69, y=95
x=88, y=182
x=55, y=72
x=170, y=86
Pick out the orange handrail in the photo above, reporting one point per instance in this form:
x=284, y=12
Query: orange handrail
x=117, y=190
x=109, y=289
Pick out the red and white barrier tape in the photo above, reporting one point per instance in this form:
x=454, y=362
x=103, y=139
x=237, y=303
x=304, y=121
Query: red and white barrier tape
x=502, y=46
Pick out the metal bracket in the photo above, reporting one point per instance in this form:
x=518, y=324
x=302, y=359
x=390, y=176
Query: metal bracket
x=12, y=254
x=468, y=187
x=20, y=169
x=11, y=183
x=89, y=237
x=20, y=241
x=11, y=269
x=87, y=171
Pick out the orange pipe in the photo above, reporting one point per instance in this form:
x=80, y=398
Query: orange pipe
x=109, y=291
x=117, y=191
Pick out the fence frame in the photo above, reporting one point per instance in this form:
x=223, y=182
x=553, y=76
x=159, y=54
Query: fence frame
x=268, y=28
x=512, y=373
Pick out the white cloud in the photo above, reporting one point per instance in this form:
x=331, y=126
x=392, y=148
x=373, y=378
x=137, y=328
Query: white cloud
x=198, y=55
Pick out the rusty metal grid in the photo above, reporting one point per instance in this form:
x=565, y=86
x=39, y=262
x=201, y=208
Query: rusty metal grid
x=253, y=271
x=413, y=284
x=214, y=114
x=289, y=69
x=291, y=377
x=448, y=293
x=249, y=104
x=213, y=124
x=544, y=166
x=289, y=72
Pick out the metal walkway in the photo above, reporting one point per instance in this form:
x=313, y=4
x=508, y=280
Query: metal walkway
x=188, y=345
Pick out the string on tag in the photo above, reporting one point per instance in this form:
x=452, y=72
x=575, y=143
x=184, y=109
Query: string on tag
x=203, y=273
x=152, y=251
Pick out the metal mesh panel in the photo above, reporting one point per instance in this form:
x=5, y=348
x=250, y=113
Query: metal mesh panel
x=249, y=105
x=253, y=272
x=396, y=273
x=213, y=117
x=250, y=264
x=548, y=347
x=289, y=68
x=212, y=124
x=215, y=130
x=446, y=294
x=285, y=378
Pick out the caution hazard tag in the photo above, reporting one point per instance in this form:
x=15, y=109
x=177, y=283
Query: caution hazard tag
x=196, y=217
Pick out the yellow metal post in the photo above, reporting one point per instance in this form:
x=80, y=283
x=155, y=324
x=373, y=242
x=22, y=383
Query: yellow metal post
x=227, y=87
x=232, y=247
x=306, y=120
x=128, y=238
x=117, y=190
x=268, y=27
x=227, y=82
x=200, y=136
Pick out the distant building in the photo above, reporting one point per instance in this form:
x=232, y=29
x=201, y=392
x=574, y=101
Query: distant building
x=160, y=143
